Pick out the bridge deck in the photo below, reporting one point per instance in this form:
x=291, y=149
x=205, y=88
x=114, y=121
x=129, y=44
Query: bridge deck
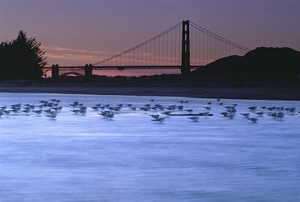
x=175, y=67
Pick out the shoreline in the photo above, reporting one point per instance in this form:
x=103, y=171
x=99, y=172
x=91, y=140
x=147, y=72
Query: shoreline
x=253, y=93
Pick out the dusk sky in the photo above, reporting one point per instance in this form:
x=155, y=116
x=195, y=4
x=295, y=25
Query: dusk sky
x=76, y=32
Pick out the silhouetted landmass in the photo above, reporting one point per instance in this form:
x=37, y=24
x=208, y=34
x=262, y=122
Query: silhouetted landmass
x=261, y=63
x=260, y=67
x=265, y=73
x=21, y=58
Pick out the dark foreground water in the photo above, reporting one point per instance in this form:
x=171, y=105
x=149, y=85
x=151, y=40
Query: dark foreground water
x=91, y=159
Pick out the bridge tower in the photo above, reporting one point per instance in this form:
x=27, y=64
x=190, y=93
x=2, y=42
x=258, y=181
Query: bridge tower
x=88, y=70
x=186, y=49
x=55, y=71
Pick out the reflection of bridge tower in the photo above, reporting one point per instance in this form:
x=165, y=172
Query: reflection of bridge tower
x=185, y=54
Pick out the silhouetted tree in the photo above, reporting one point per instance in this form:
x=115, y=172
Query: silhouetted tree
x=21, y=58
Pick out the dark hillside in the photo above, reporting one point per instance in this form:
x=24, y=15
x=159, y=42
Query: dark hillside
x=260, y=63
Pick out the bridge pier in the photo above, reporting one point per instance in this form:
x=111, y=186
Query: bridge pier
x=186, y=49
x=55, y=71
x=88, y=70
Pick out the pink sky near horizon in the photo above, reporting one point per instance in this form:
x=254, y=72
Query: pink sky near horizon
x=78, y=32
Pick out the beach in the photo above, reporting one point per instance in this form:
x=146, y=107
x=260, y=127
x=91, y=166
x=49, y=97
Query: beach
x=260, y=93
x=133, y=157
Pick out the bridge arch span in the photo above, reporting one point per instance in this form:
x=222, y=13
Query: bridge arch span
x=71, y=74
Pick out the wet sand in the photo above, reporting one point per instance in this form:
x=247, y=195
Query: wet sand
x=259, y=93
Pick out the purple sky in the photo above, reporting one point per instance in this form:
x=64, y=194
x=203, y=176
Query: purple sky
x=75, y=32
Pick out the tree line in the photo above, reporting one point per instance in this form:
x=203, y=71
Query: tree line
x=21, y=58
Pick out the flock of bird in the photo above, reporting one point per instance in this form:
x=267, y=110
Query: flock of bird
x=158, y=112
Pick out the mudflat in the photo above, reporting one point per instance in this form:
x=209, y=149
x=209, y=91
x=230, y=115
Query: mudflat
x=260, y=93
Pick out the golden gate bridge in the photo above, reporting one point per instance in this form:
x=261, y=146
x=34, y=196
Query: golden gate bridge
x=185, y=46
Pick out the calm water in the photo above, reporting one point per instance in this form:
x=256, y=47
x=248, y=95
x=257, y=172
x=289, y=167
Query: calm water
x=130, y=158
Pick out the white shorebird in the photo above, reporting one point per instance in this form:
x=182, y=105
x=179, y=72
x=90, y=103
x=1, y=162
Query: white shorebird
x=189, y=110
x=52, y=115
x=159, y=119
x=155, y=116
x=259, y=113
x=180, y=107
x=279, y=116
x=75, y=104
x=253, y=120
x=229, y=115
x=246, y=115
x=194, y=118
x=167, y=113
x=207, y=108
x=107, y=114
x=252, y=108
x=184, y=101
x=96, y=108
x=38, y=111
